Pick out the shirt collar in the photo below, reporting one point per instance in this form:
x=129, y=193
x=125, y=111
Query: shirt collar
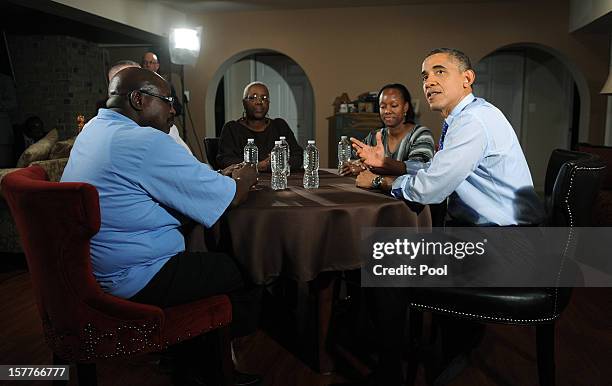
x=459, y=108
x=111, y=114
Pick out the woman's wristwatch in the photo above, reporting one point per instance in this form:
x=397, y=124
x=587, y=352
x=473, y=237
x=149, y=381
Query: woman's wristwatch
x=377, y=182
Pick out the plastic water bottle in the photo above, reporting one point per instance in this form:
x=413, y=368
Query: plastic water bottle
x=311, y=166
x=279, y=164
x=251, y=153
x=285, y=146
x=344, y=152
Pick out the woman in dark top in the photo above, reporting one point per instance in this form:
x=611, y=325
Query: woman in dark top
x=255, y=124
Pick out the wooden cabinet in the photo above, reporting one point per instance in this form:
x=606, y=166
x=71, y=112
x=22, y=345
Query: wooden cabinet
x=357, y=125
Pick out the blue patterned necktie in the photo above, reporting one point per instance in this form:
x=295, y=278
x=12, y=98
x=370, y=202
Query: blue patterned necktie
x=444, y=129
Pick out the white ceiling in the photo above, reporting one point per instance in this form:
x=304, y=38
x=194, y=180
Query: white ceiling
x=211, y=6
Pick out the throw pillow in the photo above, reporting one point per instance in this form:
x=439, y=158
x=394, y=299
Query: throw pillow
x=61, y=149
x=38, y=151
x=53, y=167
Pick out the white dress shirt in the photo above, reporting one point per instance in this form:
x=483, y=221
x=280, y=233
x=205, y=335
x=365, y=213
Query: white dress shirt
x=481, y=169
x=177, y=138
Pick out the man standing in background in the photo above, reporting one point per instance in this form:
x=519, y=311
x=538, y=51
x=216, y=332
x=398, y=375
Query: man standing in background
x=151, y=63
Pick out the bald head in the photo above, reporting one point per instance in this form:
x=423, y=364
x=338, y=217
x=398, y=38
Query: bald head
x=135, y=78
x=150, y=61
x=120, y=65
x=142, y=96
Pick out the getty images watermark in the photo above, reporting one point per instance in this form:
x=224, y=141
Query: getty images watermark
x=486, y=257
x=411, y=250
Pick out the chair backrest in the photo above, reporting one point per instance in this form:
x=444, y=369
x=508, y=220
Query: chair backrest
x=211, y=145
x=572, y=182
x=605, y=154
x=55, y=222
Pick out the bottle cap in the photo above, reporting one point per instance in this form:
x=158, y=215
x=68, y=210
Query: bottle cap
x=344, y=137
x=250, y=140
x=277, y=142
x=311, y=141
x=283, y=137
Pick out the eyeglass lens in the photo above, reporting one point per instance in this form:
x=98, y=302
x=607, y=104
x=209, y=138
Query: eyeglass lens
x=261, y=98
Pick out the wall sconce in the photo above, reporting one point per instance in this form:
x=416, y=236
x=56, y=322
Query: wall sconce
x=607, y=88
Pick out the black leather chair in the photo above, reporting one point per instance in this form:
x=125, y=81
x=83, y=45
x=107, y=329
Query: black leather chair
x=211, y=146
x=571, y=185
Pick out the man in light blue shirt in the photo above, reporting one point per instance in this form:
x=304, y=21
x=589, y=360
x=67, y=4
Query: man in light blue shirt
x=144, y=178
x=480, y=165
x=147, y=184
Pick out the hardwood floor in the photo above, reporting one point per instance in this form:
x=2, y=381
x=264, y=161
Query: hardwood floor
x=505, y=357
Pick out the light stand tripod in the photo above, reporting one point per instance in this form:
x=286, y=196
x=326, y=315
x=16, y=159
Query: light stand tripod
x=185, y=101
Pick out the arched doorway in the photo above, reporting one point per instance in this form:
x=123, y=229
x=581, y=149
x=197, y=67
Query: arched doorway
x=291, y=93
x=544, y=97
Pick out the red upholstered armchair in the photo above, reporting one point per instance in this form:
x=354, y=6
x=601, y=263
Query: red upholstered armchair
x=81, y=323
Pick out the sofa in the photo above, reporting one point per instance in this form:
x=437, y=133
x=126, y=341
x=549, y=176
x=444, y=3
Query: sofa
x=52, y=155
x=602, y=210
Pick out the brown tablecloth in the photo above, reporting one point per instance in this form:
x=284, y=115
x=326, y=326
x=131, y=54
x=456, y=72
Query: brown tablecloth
x=299, y=233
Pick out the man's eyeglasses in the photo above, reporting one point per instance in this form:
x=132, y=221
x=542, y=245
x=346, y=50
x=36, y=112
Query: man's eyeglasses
x=167, y=99
x=255, y=97
x=145, y=62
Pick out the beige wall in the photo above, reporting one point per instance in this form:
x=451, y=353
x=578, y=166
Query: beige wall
x=359, y=49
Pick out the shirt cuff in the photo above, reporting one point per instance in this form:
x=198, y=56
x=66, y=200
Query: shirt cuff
x=413, y=166
x=398, y=186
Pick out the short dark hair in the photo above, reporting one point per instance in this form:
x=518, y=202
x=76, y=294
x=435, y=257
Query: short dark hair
x=463, y=60
x=410, y=117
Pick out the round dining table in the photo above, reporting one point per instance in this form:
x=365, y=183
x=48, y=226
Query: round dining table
x=298, y=233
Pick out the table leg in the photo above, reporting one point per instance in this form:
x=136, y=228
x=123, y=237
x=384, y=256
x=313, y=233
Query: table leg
x=312, y=307
x=324, y=290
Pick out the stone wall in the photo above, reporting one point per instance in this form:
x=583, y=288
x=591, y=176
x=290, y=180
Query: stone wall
x=58, y=78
